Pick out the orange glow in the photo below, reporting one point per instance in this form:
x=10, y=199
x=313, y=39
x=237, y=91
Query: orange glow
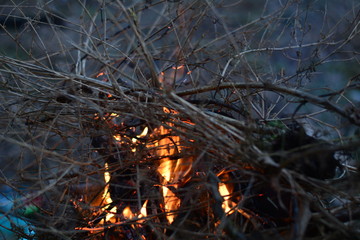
x=110, y=216
x=106, y=199
x=228, y=205
x=91, y=229
x=178, y=67
x=117, y=137
x=127, y=213
x=172, y=203
x=143, y=212
x=100, y=74
x=105, y=79
x=168, y=77
x=169, y=169
x=142, y=134
x=173, y=171
x=168, y=148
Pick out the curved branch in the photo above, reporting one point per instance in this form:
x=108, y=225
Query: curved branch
x=322, y=102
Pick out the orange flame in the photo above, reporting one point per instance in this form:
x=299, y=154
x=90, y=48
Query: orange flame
x=106, y=198
x=127, y=213
x=173, y=171
x=228, y=205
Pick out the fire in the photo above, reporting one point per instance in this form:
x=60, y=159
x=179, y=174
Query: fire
x=127, y=213
x=228, y=205
x=173, y=171
x=110, y=217
x=142, y=134
x=172, y=203
x=172, y=167
x=101, y=204
x=178, y=67
x=143, y=212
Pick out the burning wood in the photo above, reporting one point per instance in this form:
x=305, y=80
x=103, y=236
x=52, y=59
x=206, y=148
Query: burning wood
x=174, y=171
x=185, y=131
x=170, y=155
x=173, y=165
x=152, y=175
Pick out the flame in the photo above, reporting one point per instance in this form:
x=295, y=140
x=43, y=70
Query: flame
x=101, y=202
x=129, y=214
x=142, y=134
x=173, y=171
x=110, y=216
x=106, y=197
x=143, y=212
x=167, y=169
x=228, y=205
x=117, y=137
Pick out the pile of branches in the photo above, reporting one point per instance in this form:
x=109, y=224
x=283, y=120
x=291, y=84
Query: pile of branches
x=248, y=95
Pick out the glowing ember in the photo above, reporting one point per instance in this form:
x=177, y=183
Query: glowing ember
x=100, y=74
x=103, y=77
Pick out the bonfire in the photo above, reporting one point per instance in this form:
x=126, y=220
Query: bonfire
x=144, y=120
